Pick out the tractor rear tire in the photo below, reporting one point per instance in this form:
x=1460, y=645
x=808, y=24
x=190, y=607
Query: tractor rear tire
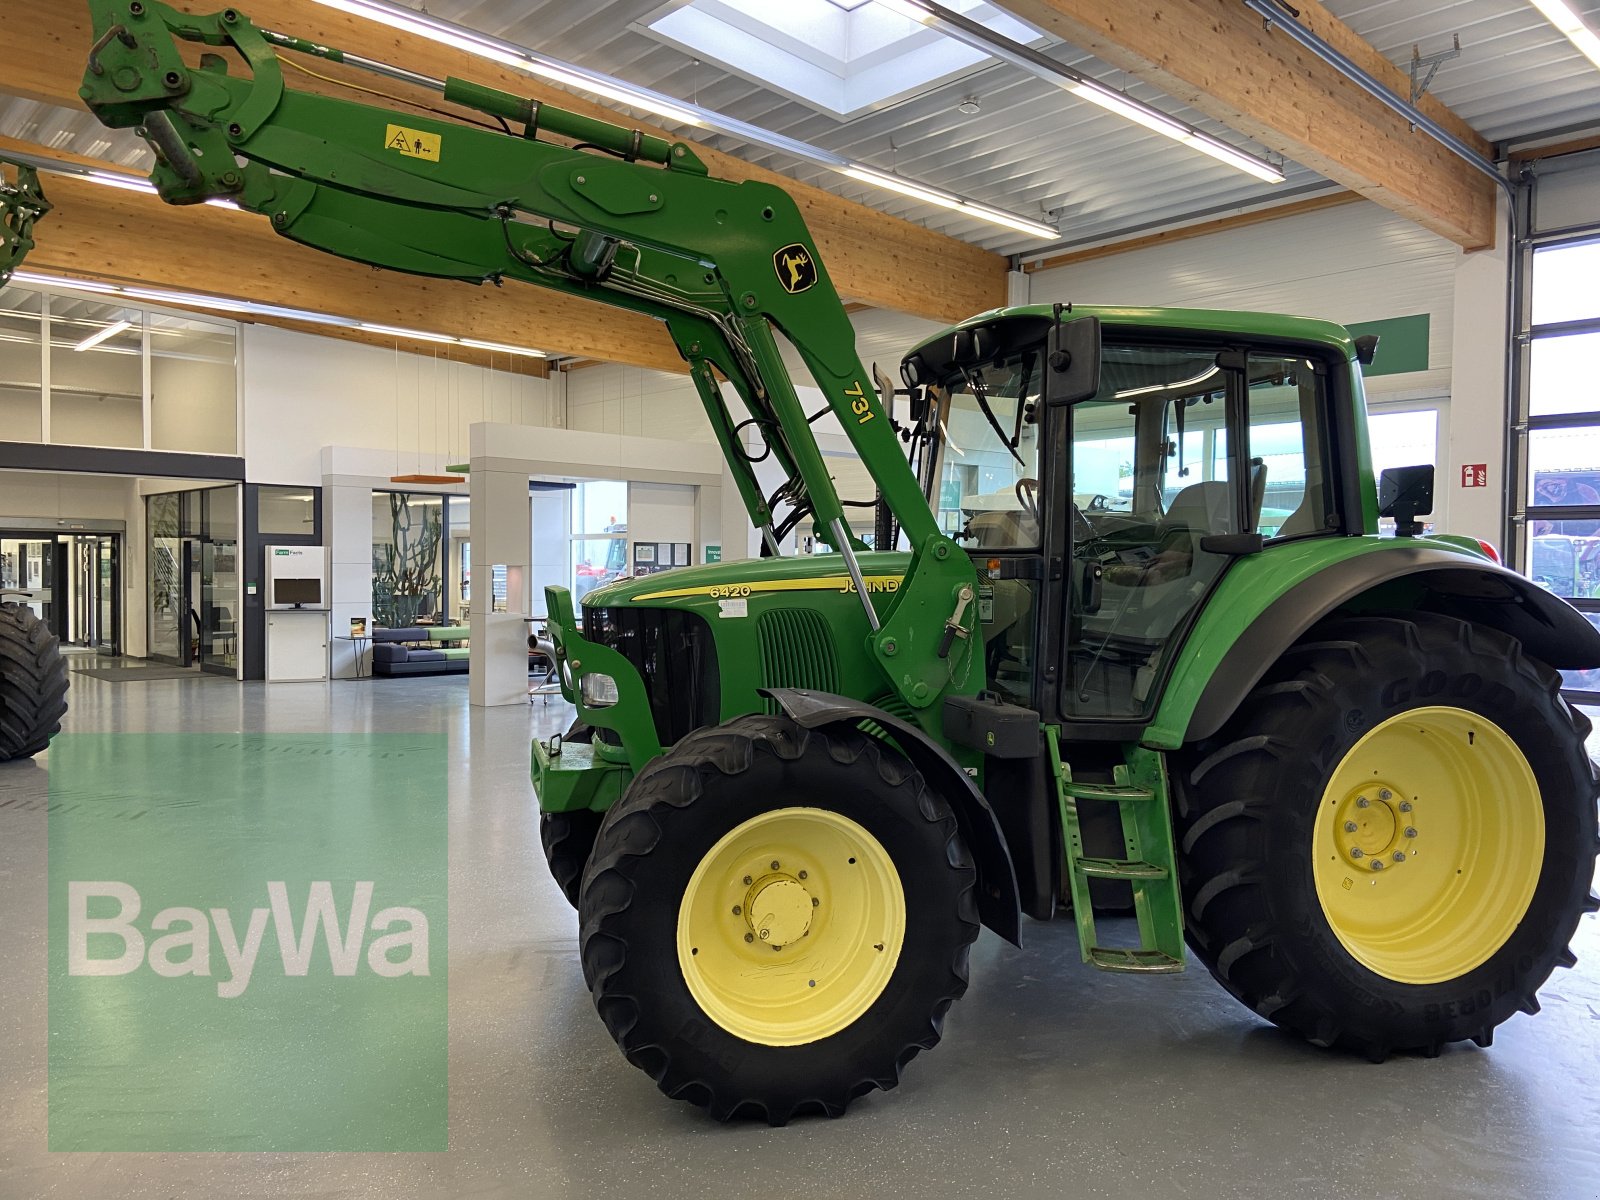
x=776, y=920
x=33, y=683
x=1390, y=844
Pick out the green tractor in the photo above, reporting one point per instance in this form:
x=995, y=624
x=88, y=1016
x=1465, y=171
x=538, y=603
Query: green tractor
x=1143, y=633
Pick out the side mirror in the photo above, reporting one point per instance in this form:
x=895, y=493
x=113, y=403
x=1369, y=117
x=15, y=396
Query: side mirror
x=1406, y=493
x=1074, y=355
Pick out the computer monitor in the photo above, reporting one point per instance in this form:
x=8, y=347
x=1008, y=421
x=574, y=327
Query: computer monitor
x=297, y=591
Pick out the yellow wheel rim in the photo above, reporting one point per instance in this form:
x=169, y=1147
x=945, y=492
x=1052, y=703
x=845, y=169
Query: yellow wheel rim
x=791, y=926
x=1428, y=844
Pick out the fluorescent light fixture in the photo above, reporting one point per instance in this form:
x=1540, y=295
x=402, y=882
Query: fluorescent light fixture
x=928, y=195
x=1560, y=14
x=521, y=58
x=110, y=331
x=416, y=334
x=964, y=29
x=502, y=348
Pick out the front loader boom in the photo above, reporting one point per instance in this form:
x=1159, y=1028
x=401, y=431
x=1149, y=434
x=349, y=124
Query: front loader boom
x=620, y=217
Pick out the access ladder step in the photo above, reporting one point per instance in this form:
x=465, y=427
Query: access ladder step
x=1128, y=959
x=1120, y=868
x=1115, y=792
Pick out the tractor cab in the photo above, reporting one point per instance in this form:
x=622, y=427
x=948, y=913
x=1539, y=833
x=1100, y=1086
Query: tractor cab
x=1135, y=488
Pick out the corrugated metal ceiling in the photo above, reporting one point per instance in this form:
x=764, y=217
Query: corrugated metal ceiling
x=1031, y=148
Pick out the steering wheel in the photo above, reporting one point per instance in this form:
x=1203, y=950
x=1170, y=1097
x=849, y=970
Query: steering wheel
x=1027, y=491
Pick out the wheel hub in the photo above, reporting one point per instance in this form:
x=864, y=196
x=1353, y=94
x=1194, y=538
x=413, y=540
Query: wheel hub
x=1376, y=828
x=778, y=910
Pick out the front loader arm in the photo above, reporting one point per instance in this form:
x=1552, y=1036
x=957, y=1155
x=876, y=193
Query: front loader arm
x=622, y=218
x=21, y=204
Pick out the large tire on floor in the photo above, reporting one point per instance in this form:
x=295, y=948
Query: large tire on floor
x=776, y=919
x=568, y=837
x=568, y=840
x=1389, y=846
x=33, y=683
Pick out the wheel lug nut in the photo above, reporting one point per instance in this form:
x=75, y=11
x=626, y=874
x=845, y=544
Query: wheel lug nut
x=1385, y=794
x=748, y=881
x=1410, y=832
x=1356, y=852
x=774, y=864
x=1362, y=802
x=1350, y=826
x=802, y=874
x=815, y=902
x=1399, y=856
x=737, y=909
x=1405, y=806
x=1377, y=864
x=749, y=937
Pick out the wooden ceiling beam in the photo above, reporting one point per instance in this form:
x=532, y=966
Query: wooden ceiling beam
x=872, y=257
x=1217, y=56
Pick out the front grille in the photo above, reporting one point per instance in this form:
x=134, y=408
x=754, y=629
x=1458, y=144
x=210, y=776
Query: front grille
x=797, y=651
x=674, y=654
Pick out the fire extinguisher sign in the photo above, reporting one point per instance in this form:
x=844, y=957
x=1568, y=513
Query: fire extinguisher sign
x=1475, y=475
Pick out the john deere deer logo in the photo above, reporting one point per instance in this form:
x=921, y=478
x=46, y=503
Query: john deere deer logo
x=797, y=270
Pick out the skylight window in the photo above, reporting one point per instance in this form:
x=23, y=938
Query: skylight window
x=841, y=57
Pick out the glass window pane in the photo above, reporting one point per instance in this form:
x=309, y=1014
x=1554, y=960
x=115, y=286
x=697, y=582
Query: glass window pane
x=1563, y=283
x=1288, y=461
x=407, y=534
x=1564, y=467
x=96, y=373
x=600, y=506
x=21, y=333
x=989, y=471
x=192, y=385
x=1564, y=557
x=165, y=571
x=285, y=511
x=1562, y=375
x=597, y=561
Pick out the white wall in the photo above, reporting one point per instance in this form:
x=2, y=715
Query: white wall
x=1356, y=262
x=304, y=392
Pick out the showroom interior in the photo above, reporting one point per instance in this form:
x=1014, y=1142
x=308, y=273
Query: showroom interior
x=286, y=473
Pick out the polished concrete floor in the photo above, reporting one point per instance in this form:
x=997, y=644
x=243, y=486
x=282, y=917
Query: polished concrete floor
x=1053, y=1080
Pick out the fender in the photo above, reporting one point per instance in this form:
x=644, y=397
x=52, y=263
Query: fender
x=1452, y=584
x=999, y=906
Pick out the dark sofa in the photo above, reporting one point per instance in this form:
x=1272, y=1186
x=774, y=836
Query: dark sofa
x=421, y=650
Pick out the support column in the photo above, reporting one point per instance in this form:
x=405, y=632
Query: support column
x=347, y=532
x=1477, y=394
x=502, y=534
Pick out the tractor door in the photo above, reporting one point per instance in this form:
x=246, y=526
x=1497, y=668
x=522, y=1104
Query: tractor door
x=1190, y=455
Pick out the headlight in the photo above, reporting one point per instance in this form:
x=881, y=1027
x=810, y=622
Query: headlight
x=598, y=691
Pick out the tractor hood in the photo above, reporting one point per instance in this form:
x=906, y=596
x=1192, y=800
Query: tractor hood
x=752, y=577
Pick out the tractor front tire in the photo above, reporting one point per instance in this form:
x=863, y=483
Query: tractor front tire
x=776, y=920
x=568, y=840
x=33, y=683
x=1390, y=844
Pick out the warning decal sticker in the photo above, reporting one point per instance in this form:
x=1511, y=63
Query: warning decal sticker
x=413, y=143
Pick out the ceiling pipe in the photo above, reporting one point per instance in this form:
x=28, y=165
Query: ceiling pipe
x=1281, y=16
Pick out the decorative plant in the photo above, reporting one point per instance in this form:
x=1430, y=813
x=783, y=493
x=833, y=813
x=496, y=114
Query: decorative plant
x=405, y=572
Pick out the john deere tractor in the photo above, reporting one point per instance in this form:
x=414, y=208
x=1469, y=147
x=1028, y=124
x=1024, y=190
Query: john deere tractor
x=1125, y=621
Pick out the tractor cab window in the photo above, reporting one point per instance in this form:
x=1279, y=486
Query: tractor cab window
x=986, y=481
x=1181, y=447
x=1154, y=471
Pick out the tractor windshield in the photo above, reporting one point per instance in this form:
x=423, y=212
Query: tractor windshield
x=983, y=470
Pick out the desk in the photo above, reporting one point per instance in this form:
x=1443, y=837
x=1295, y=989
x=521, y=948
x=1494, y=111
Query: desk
x=360, y=641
